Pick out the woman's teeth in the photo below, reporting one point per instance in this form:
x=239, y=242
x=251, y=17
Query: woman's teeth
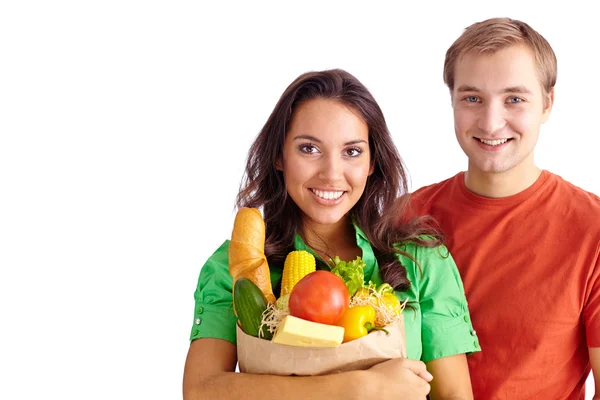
x=493, y=142
x=327, y=195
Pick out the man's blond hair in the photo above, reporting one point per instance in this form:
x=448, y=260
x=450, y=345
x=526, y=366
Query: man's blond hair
x=489, y=36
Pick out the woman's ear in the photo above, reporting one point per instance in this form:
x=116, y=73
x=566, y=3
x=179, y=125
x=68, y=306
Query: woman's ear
x=372, y=169
x=278, y=165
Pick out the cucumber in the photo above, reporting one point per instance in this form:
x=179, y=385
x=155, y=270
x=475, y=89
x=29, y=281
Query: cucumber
x=249, y=303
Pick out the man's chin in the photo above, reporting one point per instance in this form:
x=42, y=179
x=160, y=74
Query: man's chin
x=486, y=167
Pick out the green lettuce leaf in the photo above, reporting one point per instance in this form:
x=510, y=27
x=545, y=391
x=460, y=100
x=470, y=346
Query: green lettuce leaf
x=351, y=272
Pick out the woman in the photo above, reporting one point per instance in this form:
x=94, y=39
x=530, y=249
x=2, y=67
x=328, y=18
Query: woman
x=326, y=174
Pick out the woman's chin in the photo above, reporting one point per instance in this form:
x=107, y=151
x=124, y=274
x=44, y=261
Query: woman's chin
x=326, y=218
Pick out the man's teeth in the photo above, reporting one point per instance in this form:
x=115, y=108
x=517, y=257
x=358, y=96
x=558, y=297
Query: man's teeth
x=327, y=195
x=494, y=142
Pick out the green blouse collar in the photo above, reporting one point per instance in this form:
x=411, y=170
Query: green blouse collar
x=368, y=256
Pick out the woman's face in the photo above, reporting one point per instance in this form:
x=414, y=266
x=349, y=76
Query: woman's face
x=326, y=160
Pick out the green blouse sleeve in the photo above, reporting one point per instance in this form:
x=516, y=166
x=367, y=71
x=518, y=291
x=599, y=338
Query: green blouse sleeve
x=213, y=314
x=445, y=321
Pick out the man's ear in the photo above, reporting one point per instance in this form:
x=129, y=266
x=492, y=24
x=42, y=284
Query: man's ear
x=548, y=103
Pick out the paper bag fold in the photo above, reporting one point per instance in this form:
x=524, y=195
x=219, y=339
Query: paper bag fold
x=260, y=356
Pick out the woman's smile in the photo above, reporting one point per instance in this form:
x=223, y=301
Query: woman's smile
x=328, y=197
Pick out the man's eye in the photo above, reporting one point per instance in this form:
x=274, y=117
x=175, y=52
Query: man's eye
x=515, y=99
x=308, y=148
x=471, y=99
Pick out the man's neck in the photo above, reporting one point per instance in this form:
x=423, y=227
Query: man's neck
x=501, y=184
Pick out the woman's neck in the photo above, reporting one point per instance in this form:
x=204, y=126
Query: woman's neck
x=331, y=240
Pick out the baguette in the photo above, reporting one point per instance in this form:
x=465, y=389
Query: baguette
x=247, y=251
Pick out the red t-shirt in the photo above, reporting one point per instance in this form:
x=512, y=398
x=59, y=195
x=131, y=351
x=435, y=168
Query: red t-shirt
x=530, y=265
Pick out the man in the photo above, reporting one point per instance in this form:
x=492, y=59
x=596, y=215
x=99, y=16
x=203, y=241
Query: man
x=526, y=242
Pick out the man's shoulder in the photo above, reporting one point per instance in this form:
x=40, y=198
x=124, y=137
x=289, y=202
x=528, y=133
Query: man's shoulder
x=574, y=194
x=578, y=207
x=426, y=198
x=431, y=190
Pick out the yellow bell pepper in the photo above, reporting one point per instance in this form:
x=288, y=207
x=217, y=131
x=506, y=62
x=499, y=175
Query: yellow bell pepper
x=391, y=302
x=388, y=298
x=358, y=322
x=363, y=292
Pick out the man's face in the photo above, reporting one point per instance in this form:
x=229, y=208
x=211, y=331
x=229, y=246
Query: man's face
x=499, y=106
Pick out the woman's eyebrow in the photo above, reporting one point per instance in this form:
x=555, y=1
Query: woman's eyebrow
x=314, y=139
x=356, y=141
x=307, y=137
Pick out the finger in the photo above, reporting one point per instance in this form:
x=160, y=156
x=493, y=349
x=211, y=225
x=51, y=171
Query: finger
x=426, y=375
x=419, y=368
x=427, y=389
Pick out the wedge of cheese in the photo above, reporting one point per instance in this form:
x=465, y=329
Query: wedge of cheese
x=299, y=332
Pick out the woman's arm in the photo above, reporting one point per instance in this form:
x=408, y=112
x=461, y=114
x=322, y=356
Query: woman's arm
x=451, y=380
x=446, y=331
x=209, y=374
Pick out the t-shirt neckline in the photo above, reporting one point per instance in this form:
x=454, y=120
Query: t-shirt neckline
x=503, y=201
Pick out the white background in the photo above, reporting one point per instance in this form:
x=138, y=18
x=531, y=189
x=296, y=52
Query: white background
x=124, y=130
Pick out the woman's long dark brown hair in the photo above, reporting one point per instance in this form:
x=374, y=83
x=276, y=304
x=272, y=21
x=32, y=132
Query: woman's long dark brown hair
x=386, y=193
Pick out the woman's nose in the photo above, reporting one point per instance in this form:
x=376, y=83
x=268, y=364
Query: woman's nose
x=331, y=169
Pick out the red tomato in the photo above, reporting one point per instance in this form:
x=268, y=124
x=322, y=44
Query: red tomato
x=320, y=296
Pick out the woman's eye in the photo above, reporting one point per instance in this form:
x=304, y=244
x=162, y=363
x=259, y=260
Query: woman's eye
x=354, y=152
x=308, y=148
x=515, y=99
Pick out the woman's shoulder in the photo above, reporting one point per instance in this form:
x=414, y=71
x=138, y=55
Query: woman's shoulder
x=425, y=247
x=222, y=249
x=220, y=257
x=428, y=262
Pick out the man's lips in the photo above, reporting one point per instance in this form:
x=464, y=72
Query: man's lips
x=494, y=142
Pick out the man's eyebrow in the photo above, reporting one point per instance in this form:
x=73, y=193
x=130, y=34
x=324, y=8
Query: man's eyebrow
x=512, y=89
x=467, y=88
x=517, y=89
x=314, y=139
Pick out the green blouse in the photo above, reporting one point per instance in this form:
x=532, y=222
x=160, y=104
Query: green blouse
x=438, y=325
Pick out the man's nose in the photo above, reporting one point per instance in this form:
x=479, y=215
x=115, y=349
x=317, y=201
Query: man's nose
x=491, y=118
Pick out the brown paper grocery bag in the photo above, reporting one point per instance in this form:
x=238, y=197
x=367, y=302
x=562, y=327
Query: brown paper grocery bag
x=260, y=356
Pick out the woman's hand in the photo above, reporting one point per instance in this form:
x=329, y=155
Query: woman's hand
x=211, y=362
x=400, y=378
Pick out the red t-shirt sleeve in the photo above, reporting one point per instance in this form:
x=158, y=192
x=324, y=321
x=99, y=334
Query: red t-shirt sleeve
x=591, y=310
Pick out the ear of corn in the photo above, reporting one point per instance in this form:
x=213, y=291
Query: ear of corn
x=297, y=265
